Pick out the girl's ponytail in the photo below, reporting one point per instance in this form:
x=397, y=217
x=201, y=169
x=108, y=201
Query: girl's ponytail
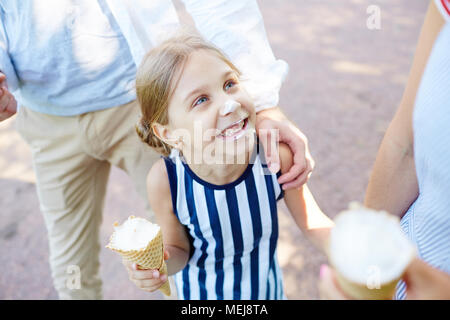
x=145, y=132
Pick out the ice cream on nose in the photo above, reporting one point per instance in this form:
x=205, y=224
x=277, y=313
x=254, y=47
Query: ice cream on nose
x=230, y=106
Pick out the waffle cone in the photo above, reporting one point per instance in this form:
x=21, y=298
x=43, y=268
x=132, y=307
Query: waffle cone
x=150, y=257
x=361, y=291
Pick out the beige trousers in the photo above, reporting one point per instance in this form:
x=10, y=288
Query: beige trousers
x=72, y=157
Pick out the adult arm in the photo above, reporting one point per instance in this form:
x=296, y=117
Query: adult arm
x=393, y=182
x=274, y=127
x=6, y=65
x=8, y=104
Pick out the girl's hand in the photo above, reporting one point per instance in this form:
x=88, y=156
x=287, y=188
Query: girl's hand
x=148, y=280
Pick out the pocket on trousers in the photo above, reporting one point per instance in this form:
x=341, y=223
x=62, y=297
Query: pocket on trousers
x=26, y=127
x=19, y=122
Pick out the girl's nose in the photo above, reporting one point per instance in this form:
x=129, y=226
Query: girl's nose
x=229, y=107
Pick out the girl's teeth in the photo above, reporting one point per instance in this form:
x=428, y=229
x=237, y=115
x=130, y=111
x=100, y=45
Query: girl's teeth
x=230, y=132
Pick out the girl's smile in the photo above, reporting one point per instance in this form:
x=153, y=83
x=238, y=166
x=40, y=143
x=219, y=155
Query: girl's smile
x=235, y=131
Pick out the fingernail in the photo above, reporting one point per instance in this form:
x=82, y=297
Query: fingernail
x=163, y=277
x=274, y=167
x=155, y=274
x=134, y=266
x=323, y=270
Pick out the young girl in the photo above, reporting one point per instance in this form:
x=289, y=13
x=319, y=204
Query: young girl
x=212, y=196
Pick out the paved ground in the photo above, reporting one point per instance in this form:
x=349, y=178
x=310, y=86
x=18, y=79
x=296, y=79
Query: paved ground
x=344, y=85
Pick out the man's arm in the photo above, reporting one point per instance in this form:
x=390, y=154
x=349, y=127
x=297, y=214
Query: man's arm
x=6, y=66
x=393, y=182
x=8, y=104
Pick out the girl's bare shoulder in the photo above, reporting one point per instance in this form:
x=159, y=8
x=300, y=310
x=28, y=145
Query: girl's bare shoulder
x=158, y=187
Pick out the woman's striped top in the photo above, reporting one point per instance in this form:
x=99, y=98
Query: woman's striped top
x=427, y=221
x=234, y=233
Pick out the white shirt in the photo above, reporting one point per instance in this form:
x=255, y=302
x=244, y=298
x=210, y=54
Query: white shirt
x=236, y=27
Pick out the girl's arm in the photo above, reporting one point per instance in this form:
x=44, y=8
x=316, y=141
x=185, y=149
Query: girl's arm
x=304, y=209
x=393, y=183
x=176, y=242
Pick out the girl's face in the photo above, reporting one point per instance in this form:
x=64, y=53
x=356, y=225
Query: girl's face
x=210, y=111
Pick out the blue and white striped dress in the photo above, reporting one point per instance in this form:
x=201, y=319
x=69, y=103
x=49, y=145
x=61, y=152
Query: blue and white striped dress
x=427, y=221
x=234, y=230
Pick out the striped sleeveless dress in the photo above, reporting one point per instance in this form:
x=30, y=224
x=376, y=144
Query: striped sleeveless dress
x=427, y=221
x=233, y=230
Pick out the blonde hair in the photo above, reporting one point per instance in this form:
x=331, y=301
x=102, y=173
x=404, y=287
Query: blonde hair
x=155, y=82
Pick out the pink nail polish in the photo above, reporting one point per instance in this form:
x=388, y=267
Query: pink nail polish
x=323, y=270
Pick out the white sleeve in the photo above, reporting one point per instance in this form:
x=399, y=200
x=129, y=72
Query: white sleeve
x=444, y=8
x=237, y=28
x=6, y=65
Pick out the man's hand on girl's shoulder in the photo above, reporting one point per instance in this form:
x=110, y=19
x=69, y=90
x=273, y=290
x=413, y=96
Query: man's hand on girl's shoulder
x=273, y=127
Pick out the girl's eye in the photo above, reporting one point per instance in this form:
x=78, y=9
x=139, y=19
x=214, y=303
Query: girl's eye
x=229, y=84
x=200, y=101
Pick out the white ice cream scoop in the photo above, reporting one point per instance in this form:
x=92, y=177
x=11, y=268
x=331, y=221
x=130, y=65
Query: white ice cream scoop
x=370, y=252
x=229, y=106
x=134, y=234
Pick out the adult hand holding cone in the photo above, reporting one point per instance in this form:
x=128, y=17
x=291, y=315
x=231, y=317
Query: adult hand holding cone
x=369, y=252
x=139, y=241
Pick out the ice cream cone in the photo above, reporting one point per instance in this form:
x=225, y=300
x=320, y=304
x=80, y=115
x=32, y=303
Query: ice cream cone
x=149, y=257
x=369, y=252
x=361, y=291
